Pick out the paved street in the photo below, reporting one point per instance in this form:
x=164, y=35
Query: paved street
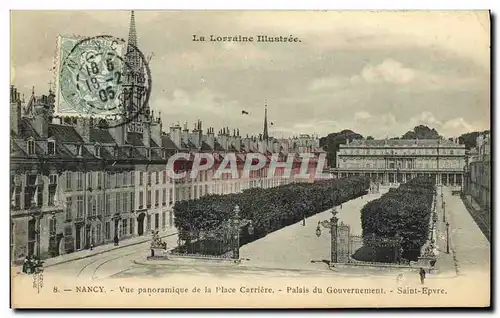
x=296, y=245
x=287, y=252
x=106, y=264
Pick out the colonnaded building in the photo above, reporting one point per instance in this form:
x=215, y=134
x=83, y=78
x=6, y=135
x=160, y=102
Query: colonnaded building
x=397, y=161
x=75, y=184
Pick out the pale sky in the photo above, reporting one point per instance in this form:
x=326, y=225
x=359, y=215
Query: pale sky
x=378, y=74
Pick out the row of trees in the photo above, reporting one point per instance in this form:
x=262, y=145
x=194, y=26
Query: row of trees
x=268, y=209
x=403, y=212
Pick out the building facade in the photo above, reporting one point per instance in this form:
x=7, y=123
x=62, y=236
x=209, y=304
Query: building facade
x=77, y=184
x=479, y=172
x=397, y=161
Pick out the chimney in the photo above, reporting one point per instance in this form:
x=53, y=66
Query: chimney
x=222, y=138
x=118, y=131
x=41, y=120
x=175, y=134
x=195, y=136
x=185, y=134
x=246, y=143
x=211, y=137
x=230, y=138
x=146, y=132
x=276, y=147
x=237, y=141
x=15, y=110
x=83, y=128
x=261, y=145
x=156, y=128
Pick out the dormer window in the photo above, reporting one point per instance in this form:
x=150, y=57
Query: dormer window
x=31, y=146
x=148, y=153
x=79, y=150
x=97, y=150
x=163, y=154
x=51, y=147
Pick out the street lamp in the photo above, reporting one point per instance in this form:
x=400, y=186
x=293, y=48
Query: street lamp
x=447, y=238
x=236, y=232
x=434, y=220
x=318, y=230
x=332, y=225
x=237, y=222
x=444, y=212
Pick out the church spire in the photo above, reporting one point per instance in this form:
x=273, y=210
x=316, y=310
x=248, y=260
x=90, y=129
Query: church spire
x=132, y=33
x=265, y=135
x=132, y=57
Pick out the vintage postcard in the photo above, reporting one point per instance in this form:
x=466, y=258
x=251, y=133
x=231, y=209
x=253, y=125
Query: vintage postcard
x=250, y=159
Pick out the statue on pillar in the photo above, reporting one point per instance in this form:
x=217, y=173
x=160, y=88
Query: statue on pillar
x=157, y=243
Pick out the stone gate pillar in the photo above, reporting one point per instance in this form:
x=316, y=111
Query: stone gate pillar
x=333, y=231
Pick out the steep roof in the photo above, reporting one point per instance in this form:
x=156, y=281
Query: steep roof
x=16, y=150
x=26, y=130
x=153, y=144
x=191, y=145
x=232, y=149
x=205, y=146
x=400, y=143
x=134, y=139
x=64, y=133
x=101, y=136
x=167, y=142
x=218, y=147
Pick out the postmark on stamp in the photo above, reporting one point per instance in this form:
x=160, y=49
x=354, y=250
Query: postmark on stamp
x=104, y=77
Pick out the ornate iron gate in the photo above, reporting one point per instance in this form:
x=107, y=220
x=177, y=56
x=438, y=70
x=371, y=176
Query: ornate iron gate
x=221, y=242
x=355, y=243
x=343, y=253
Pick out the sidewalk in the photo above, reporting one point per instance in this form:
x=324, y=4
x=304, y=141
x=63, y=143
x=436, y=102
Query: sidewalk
x=481, y=216
x=446, y=263
x=101, y=249
x=472, y=202
x=470, y=245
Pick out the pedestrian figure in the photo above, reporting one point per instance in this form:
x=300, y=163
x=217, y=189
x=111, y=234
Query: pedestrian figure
x=30, y=264
x=399, y=278
x=37, y=266
x=116, y=240
x=26, y=264
x=422, y=275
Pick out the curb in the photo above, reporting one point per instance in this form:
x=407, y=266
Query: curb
x=174, y=263
x=235, y=265
x=102, y=252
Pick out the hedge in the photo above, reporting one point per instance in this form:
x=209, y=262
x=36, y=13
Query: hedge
x=269, y=209
x=405, y=211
